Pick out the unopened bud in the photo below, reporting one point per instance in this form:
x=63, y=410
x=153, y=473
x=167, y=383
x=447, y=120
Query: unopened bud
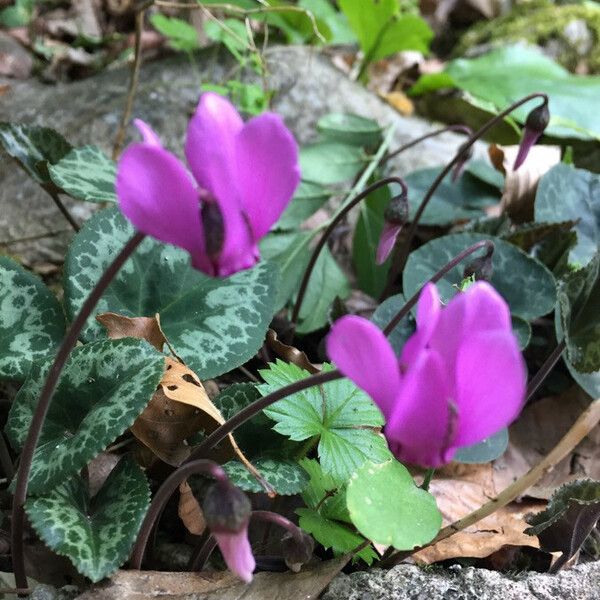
x=226, y=508
x=535, y=124
x=396, y=212
x=297, y=550
x=466, y=154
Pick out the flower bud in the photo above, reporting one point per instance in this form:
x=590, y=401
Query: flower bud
x=297, y=550
x=466, y=154
x=395, y=215
x=535, y=124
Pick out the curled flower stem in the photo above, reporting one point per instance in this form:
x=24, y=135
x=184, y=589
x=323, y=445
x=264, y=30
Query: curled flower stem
x=586, y=422
x=277, y=519
x=328, y=231
x=39, y=415
x=488, y=244
x=165, y=491
x=464, y=148
x=545, y=369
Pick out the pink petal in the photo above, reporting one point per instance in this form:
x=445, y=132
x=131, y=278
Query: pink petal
x=268, y=170
x=387, y=241
x=362, y=353
x=149, y=135
x=491, y=379
x=157, y=196
x=210, y=147
x=420, y=428
x=237, y=553
x=529, y=140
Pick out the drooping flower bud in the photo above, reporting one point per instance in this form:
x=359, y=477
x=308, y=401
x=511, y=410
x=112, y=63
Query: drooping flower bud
x=227, y=511
x=535, y=125
x=297, y=550
x=395, y=215
x=466, y=154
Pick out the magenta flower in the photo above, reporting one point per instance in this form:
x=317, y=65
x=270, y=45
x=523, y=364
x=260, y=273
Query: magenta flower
x=237, y=552
x=460, y=378
x=535, y=125
x=245, y=176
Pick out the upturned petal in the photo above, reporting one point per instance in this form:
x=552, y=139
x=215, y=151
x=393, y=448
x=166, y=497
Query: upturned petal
x=268, y=170
x=387, y=241
x=156, y=194
x=491, y=378
x=362, y=353
x=421, y=427
x=148, y=134
x=237, y=553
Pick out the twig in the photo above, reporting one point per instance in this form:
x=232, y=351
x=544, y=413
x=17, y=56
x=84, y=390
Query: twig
x=63, y=209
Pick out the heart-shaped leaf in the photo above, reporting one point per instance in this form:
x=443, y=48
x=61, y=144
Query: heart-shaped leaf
x=286, y=477
x=330, y=162
x=215, y=324
x=486, y=451
x=350, y=129
x=86, y=174
x=526, y=284
x=387, y=507
x=309, y=197
x=32, y=322
x=95, y=534
x=102, y=389
x=385, y=312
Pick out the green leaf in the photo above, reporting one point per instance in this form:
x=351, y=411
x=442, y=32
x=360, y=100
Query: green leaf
x=231, y=33
x=18, y=15
x=289, y=253
x=102, y=389
x=342, y=416
x=330, y=162
x=493, y=78
x=388, y=508
x=33, y=147
x=327, y=282
x=32, y=322
x=215, y=324
x=486, y=451
x=526, y=285
x=578, y=301
x=463, y=199
x=181, y=35
x=372, y=278
x=309, y=197
x=385, y=312
x=95, y=534
x=340, y=32
x=350, y=129
x=482, y=170
x=568, y=194
x=285, y=476
x=522, y=329
x=86, y=174
x=332, y=534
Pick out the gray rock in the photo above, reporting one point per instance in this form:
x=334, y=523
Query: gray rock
x=306, y=87
x=579, y=36
x=408, y=582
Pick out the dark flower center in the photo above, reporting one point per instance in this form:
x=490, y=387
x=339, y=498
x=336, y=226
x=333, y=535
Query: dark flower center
x=212, y=224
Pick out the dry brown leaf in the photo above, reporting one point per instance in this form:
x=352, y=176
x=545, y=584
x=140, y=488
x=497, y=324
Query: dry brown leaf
x=290, y=353
x=147, y=328
x=520, y=186
x=460, y=489
x=400, y=101
x=189, y=510
x=99, y=469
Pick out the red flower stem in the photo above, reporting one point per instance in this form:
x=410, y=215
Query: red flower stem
x=61, y=207
x=165, y=491
x=545, y=369
x=328, y=231
x=280, y=520
x=39, y=415
x=402, y=256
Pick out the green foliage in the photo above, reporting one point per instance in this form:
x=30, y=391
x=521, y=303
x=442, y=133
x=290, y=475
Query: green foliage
x=18, y=15
x=329, y=162
x=33, y=147
x=32, y=322
x=492, y=80
x=215, y=324
x=350, y=129
x=309, y=197
x=486, y=451
x=102, y=389
x=250, y=98
x=232, y=34
x=180, y=34
x=385, y=312
x=387, y=507
x=526, y=285
x=342, y=417
x=578, y=301
x=285, y=476
x=95, y=534
x=568, y=194
x=86, y=173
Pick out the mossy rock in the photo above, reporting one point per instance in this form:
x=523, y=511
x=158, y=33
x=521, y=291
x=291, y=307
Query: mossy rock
x=569, y=33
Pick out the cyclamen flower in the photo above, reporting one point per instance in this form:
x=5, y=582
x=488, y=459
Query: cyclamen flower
x=244, y=176
x=460, y=378
x=237, y=553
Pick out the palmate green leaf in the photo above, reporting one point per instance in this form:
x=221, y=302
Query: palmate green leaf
x=285, y=476
x=350, y=129
x=102, y=389
x=86, y=173
x=387, y=507
x=330, y=162
x=342, y=416
x=95, y=534
x=460, y=200
x=526, y=285
x=578, y=302
x=33, y=147
x=493, y=78
x=32, y=323
x=569, y=194
x=215, y=324
x=309, y=197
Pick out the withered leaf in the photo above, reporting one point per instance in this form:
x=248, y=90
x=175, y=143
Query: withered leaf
x=290, y=353
x=147, y=328
x=189, y=510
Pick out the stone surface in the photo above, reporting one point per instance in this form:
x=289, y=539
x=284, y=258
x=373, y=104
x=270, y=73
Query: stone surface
x=306, y=87
x=408, y=582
